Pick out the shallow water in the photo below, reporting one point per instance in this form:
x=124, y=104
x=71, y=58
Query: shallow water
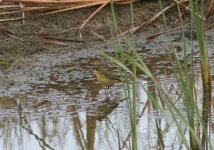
x=55, y=102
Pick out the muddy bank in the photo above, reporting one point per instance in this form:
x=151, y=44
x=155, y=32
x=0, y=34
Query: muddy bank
x=59, y=32
x=31, y=53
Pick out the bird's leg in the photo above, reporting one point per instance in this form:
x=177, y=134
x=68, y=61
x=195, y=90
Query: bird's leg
x=105, y=90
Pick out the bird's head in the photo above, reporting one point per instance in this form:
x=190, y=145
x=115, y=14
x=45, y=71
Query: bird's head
x=97, y=72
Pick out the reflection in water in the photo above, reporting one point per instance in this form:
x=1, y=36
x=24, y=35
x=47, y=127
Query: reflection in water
x=205, y=117
x=98, y=124
x=70, y=109
x=91, y=130
x=160, y=143
x=41, y=140
x=105, y=110
x=77, y=127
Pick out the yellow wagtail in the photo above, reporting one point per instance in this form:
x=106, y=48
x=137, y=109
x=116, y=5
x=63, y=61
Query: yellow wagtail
x=103, y=79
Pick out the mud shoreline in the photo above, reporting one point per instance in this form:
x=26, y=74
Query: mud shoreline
x=30, y=51
x=60, y=32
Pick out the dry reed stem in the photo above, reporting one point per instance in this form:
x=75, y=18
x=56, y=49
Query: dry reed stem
x=91, y=16
x=94, y=13
x=54, y=5
x=46, y=7
x=133, y=30
x=210, y=9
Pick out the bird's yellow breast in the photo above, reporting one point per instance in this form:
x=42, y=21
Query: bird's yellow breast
x=103, y=79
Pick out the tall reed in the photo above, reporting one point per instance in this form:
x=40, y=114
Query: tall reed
x=184, y=73
x=198, y=19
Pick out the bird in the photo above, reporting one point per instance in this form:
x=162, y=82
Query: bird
x=103, y=79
